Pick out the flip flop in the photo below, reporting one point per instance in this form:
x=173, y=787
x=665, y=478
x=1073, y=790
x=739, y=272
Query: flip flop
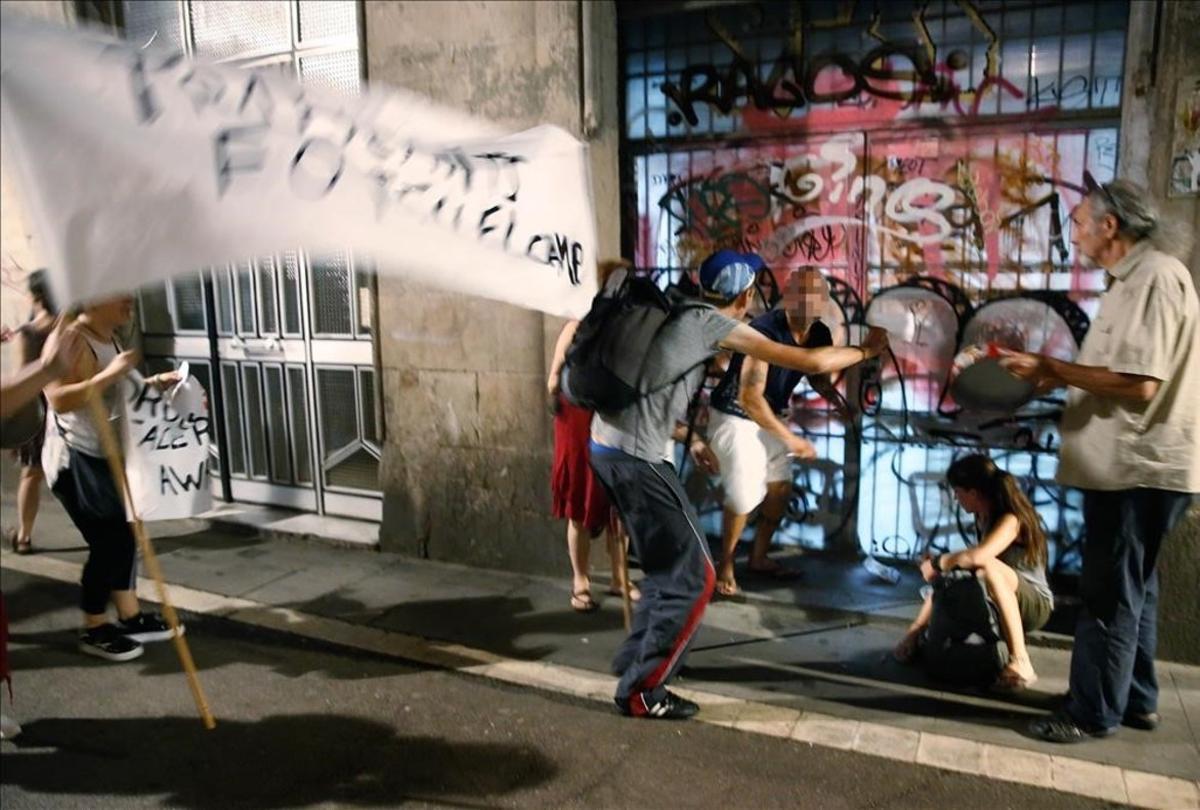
x=582, y=602
x=635, y=594
x=734, y=595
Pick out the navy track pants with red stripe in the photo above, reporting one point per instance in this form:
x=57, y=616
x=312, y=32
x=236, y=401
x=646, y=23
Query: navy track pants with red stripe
x=679, y=576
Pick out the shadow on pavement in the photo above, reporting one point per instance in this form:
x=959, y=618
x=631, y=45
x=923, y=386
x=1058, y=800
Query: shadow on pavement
x=282, y=761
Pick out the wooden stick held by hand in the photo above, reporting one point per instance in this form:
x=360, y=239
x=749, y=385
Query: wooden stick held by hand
x=116, y=465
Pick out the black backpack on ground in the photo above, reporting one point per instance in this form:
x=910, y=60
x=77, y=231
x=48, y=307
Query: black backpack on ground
x=605, y=364
x=963, y=644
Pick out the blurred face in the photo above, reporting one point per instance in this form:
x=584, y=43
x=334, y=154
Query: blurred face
x=111, y=312
x=971, y=500
x=1090, y=238
x=805, y=297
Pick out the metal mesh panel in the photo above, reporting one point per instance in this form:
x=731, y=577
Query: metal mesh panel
x=224, y=29
x=359, y=471
x=256, y=436
x=233, y=420
x=189, y=303
x=224, y=301
x=281, y=465
x=203, y=374
x=331, y=295
x=153, y=20
x=366, y=380
x=268, y=323
x=327, y=19
x=334, y=71
x=156, y=313
x=298, y=402
x=289, y=292
x=335, y=401
x=245, y=290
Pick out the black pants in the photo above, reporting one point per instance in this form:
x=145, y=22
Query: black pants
x=1112, y=662
x=679, y=574
x=112, y=550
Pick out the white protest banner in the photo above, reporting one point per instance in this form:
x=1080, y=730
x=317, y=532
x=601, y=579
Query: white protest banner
x=166, y=453
x=139, y=164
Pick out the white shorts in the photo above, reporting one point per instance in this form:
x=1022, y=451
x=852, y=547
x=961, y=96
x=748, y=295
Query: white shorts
x=750, y=458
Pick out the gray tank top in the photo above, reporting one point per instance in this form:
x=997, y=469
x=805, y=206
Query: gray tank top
x=77, y=428
x=1014, y=558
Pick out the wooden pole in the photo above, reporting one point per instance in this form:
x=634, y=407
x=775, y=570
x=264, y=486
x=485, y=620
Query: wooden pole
x=112, y=451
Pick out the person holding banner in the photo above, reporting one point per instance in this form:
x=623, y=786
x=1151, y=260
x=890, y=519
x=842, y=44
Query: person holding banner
x=80, y=478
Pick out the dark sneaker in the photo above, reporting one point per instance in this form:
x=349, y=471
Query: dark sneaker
x=1062, y=728
x=671, y=707
x=1144, y=721
x=109, y=643
x=146, y=627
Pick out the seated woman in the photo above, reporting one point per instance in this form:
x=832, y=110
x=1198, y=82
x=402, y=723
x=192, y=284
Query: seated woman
x=1011, y=555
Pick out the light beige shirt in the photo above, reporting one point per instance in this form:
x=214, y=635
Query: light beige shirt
x=1148, y=324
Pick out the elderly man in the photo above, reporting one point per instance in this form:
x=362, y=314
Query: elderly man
x=1130, y=435
x=749, y=432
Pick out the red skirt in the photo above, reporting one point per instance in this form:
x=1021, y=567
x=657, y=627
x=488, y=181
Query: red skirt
x=578, y=495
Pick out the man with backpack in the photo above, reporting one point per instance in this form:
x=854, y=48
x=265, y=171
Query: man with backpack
x=638, y=361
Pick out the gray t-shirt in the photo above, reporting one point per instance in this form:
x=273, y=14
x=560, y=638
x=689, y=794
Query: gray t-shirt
x=1014, y=558
x=644, y=428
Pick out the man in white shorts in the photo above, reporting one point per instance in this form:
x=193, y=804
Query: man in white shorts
x=748, y=427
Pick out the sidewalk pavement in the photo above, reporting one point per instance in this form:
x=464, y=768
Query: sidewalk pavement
x=767, y=666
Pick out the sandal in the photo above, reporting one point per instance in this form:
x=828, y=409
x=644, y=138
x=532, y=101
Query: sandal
x=582, y=602
x=726, y=592
x=20, y=546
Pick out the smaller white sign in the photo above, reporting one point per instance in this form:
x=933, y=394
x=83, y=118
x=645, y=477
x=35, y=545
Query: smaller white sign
x=167, y=451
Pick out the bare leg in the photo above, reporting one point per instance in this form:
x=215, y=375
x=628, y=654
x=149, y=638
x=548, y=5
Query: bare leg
x=774, y=507
x=126, y=603
x=618, y=557
x=28, y=495
x=579, y=547
x=1002, y=583
x=907, y=646
x=732, y=526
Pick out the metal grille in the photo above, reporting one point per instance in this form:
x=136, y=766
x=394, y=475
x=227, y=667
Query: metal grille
x=224, y=301
x=233, y=419
x=298, y=402
x=226, y=28
x=366, y=381
x=268, y=317
x=189, y=304
x=359, y=471
x=331, y=295
x=256, y=438
x=156, y=311
x=339, y=72
x=281, y=466
x=289, y=292
x=245, y=298
x=154, y=21
x=322, y=19
x=337, y=405
x=722, y=152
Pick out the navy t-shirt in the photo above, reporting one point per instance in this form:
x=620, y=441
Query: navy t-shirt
x=781, y=382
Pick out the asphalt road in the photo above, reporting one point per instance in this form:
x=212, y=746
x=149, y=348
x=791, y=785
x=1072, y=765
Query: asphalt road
x=304, y=725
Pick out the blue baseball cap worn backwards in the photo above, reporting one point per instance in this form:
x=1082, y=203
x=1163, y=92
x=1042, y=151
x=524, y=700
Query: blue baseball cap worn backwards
x=726, y=274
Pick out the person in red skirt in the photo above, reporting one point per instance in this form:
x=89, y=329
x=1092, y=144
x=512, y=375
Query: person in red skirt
x=577, y=495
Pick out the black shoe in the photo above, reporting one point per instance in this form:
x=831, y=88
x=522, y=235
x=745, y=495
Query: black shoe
x=1144, y=721
x=146, y=627
x=109, y=643
x=671, y=707
x=1060, y=727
